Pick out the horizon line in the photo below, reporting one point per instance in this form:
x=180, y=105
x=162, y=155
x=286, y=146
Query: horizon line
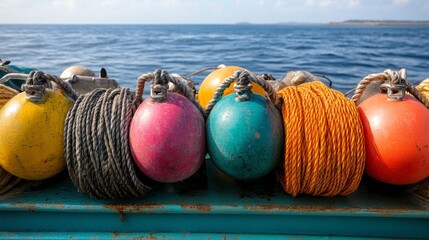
x=235, y=23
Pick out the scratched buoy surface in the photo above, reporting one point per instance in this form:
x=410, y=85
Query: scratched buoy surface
x=31, y=135
x=167, y=139
x=245, y=139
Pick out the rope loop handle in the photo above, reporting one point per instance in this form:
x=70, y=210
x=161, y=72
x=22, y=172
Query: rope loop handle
x=394, y=82
x=38, y=81
x=243, y=87
x=270, y=91
x=159, y=87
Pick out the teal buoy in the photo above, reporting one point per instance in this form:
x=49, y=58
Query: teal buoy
x=245, y=133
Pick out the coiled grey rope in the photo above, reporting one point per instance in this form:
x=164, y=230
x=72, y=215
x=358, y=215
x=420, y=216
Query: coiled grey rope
x=10, y=185
x=97, y=153
x=271, y=92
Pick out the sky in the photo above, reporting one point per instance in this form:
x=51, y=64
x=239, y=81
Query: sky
x=207, y=12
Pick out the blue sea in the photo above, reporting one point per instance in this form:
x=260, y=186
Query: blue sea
x=345, y=54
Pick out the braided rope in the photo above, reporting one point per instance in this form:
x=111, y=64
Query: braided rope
x=180, y=82
x=177, y=80
x=96, y=145
x=221, y=88
x=417, y=94
x=63, y=85
x=38, y=81
x=7, y=180
x=269, y=89
x=423, y=88
x=324, y=147
x=6, y=93
x=362, y=85
x=394, y=77
x=140, y=85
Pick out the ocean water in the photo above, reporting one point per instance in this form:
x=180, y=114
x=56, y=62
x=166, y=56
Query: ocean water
x=345, y=54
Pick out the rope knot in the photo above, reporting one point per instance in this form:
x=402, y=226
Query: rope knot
x=159, y=87
x=395, y=84
x=243, y=87
x=35, y=86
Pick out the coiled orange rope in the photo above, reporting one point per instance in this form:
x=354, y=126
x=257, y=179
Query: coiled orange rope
x=324, y=146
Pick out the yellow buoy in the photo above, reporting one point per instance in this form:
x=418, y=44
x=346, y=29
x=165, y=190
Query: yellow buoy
x=214, y=79
x=31, y=135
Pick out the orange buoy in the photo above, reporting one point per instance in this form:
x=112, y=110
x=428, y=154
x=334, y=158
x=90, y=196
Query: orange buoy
x=397, y=139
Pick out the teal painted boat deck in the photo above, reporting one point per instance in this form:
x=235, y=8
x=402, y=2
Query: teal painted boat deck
x=225, y=210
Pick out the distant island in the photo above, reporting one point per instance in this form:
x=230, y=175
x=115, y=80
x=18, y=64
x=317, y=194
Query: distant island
x=379, y=23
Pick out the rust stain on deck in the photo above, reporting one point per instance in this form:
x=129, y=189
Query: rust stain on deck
x=133, y=208
x=120, y=209
x=299, y=208
x=147, y=238
x=29, y=206
x=198, y=207
x=381, y=212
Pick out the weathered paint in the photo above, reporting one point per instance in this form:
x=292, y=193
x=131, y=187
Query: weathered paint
x=161, y=236
x=227, y=206
x=31, y=135
x=245, y=138
x=168, y=139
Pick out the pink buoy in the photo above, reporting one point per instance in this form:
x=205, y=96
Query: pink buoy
x=167, y=136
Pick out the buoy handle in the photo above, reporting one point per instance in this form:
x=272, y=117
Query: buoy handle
x=395, y=82
x=159, y=87
x=269, y=90
x=38, y=81
x=243, y=87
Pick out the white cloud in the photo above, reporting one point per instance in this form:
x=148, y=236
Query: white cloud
x=68, y=5
x=331, y=3
x=170, y=3
x=353, y=3
x=280, y=3
x=109, y=3
x=320, y=3
x=261, y=2
x=400, y=2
